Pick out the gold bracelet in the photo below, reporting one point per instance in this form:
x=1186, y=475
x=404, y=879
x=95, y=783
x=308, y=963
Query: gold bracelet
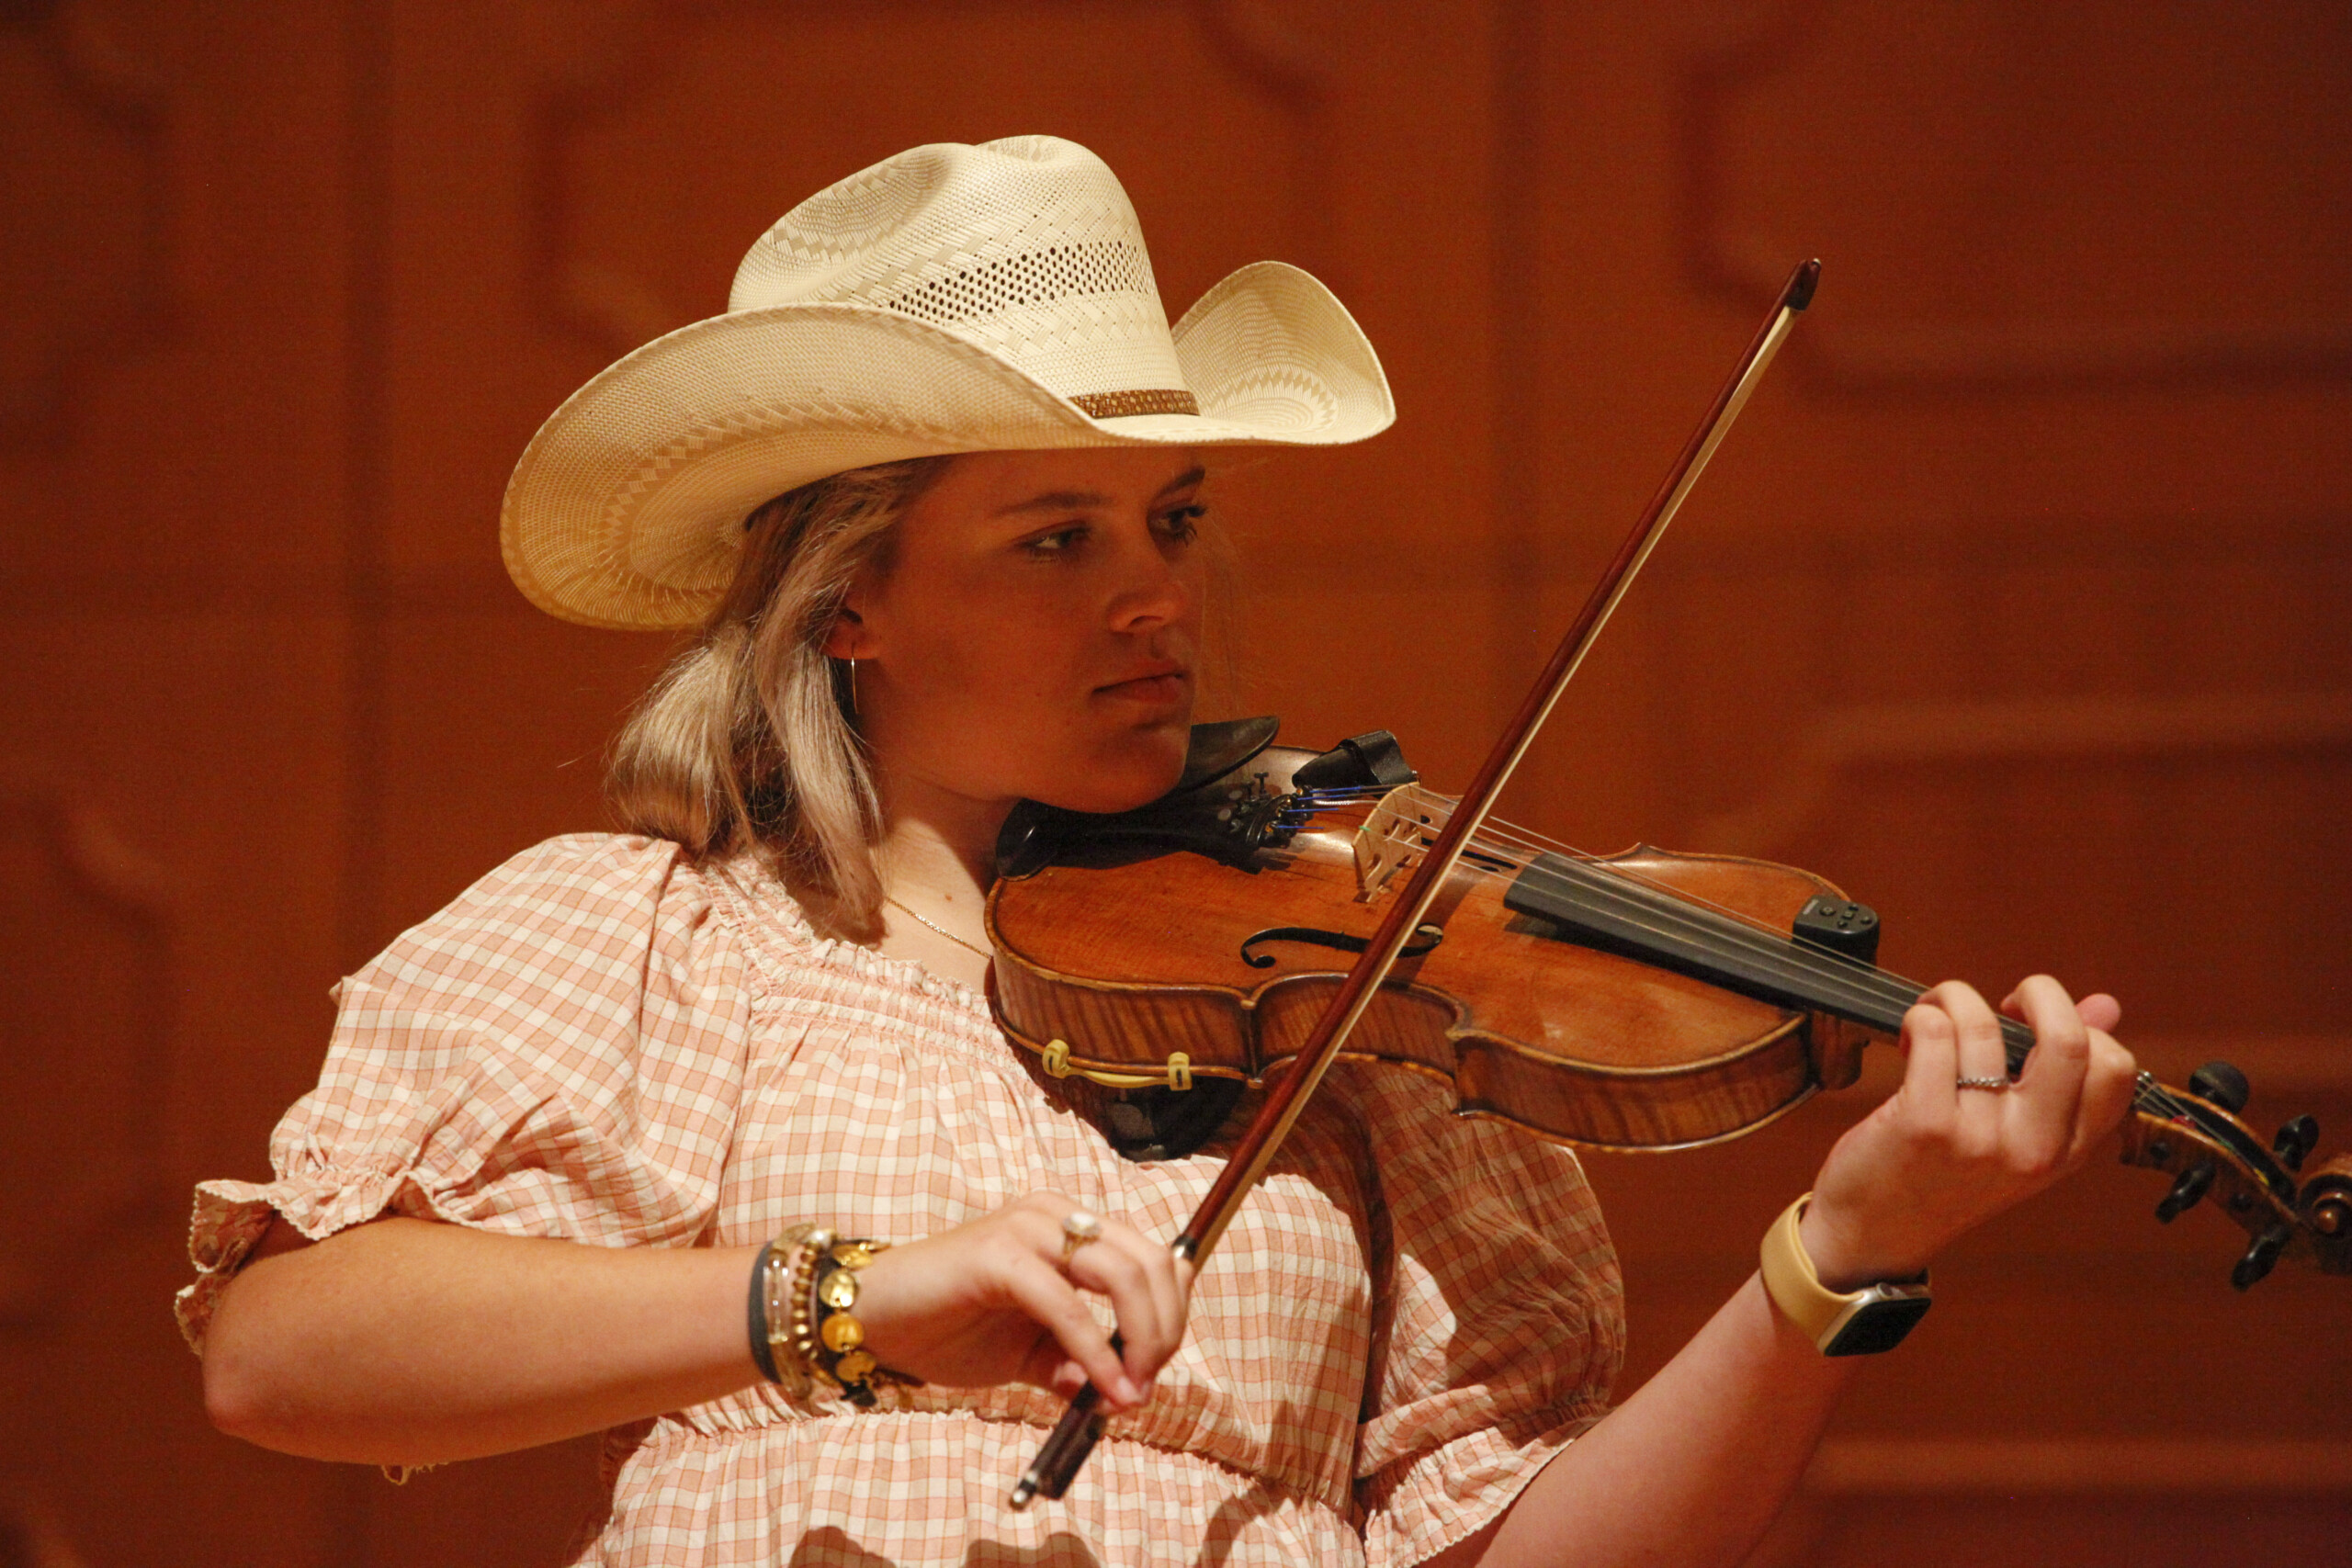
x=802, y=1326
x=835, y=1338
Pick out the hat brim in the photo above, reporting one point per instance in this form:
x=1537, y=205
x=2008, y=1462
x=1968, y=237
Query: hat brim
x=627, y=509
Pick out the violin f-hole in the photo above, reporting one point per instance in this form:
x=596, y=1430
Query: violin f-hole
x=1426, y=938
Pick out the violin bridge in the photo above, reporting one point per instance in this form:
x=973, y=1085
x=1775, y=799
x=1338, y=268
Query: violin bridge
x=1391, y=840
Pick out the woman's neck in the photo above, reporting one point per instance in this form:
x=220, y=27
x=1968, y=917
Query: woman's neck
x=937, y=858
x=917, y=861
x=938, y=842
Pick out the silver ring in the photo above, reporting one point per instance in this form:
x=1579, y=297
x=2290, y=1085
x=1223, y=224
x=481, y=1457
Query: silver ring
x=1992, y=1084
x=1079, y=1227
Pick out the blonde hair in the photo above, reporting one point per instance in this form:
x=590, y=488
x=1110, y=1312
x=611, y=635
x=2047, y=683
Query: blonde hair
x=749, y=740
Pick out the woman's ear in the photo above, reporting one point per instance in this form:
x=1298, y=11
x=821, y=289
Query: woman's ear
x=846, y=638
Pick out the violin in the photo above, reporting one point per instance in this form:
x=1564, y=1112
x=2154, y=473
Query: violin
x=1645, y=1000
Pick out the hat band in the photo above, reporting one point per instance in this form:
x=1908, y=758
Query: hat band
x=1120, y=405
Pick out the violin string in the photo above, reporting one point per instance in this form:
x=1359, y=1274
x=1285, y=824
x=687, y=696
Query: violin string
x=1758, y=939
x=1826, y=981
x=1752, y=934
x=1768, y=942
x=1671, y=909
x=1765, y=944
x=2149, y=1095
x=1732, y=932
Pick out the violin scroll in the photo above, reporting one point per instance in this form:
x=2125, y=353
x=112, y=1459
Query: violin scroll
x=2196, y=1135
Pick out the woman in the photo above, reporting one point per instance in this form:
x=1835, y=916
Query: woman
x=971, y=458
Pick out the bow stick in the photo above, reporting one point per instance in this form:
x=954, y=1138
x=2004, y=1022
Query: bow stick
x=1073, y=1438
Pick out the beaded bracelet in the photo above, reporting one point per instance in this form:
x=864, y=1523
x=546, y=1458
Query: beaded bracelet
x=770, y=1295
x=792, y=1325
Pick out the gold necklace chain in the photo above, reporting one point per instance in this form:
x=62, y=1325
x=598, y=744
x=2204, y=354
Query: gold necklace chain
x=943, y=931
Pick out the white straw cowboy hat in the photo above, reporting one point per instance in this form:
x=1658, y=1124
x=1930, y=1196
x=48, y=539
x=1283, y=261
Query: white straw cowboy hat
x=951, y=298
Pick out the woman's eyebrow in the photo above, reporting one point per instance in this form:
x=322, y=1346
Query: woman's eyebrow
x=1055, y=500
x=1076, y=500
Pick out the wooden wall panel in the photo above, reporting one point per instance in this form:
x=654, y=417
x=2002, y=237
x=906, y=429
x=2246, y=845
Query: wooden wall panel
x=2015, y=608
x=172, y=483
x=84, y=174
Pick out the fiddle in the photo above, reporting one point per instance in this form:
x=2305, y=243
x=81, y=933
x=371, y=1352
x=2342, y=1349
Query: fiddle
x=1697, y=998
x=1639, y=1001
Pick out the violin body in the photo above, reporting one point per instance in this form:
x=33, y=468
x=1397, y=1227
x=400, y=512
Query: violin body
x=1130, y=958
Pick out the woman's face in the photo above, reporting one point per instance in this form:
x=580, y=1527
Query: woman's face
x=1037, y=632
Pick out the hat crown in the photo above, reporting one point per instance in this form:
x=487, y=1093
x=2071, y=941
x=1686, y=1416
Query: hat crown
x=1027, y=246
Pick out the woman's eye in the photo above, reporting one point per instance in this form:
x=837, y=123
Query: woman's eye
x=1060, y=542
x=1184, y=523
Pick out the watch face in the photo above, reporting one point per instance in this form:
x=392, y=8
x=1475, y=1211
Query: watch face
x=1877, y=1325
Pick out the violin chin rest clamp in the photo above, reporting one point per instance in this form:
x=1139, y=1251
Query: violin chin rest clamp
x=1153, y=1116
x=1177, y=1075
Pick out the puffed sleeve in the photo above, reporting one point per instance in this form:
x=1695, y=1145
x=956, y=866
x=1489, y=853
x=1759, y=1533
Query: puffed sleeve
x=1501, y=1317
x=557, y=1054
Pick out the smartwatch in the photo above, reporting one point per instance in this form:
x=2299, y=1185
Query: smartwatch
x=1852, y=1323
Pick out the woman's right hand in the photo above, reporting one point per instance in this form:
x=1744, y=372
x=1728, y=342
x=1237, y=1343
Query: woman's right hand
x=995, y=1302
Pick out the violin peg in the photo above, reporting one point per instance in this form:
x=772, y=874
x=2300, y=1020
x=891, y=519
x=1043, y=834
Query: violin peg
x=2296, y=1139
x=2220, y=1083
x=2192, y=1186
x=2260, y=1257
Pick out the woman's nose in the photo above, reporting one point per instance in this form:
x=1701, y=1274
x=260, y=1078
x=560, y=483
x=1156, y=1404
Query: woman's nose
x=1155, y=587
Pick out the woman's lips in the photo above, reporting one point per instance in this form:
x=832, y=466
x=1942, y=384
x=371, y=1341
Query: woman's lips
x=1154, y=691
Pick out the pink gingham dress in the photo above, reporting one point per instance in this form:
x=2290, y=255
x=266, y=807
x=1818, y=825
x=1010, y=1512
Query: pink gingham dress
x=604, y=1041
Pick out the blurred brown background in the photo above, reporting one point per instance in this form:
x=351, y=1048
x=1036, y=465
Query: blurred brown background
x=2018, y=606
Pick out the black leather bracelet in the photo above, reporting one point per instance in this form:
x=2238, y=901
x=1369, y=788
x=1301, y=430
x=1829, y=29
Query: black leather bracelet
x=762, y=1354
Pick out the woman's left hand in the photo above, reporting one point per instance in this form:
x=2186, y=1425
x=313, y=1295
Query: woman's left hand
x=1936, y=1159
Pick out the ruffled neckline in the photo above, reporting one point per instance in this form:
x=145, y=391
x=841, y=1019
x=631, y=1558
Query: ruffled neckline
x=907, y=974
x=783, y=925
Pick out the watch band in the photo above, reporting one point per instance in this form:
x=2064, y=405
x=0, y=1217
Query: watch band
x=1851, y=1323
